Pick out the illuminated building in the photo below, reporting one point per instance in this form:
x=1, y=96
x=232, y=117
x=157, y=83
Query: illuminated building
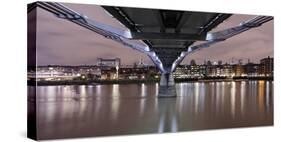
x=227, y=70
x=108, y=63
x=238, y=70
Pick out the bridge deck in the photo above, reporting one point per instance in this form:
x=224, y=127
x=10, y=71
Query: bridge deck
x=167, y=31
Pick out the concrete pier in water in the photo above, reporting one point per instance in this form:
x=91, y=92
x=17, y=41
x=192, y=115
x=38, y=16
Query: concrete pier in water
x=167, y=86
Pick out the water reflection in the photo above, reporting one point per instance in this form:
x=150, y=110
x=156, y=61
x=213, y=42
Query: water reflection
x=115, y=101
x=98, y=89
x=267, y=94
x=261, y=95
x=242, y=96
x=143, y=99
x=71, y=111
x=167, y=115
x=232, y=98
x=196, y=97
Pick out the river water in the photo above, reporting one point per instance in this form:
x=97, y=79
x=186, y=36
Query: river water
x=118, y=109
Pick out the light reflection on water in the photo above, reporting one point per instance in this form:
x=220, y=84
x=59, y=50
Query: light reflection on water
x=232, y=99
x=73, y=111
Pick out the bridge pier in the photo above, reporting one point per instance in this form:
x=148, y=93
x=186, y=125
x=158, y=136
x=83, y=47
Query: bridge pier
x=167, y=86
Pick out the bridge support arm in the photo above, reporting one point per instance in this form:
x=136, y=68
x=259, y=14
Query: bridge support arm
x=213, y=38
x=121, y=36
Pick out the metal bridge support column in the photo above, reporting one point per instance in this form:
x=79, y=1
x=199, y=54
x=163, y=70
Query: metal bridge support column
x=167, y=86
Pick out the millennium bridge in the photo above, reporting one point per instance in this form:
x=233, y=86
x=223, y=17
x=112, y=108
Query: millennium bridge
x=167, y=36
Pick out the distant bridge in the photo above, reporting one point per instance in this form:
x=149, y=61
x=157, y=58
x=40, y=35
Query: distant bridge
x=168, y=35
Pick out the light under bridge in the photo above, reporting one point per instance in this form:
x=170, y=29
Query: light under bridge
x=167, y=36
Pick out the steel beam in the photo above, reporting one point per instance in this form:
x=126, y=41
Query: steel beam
x=161, y=22
x=172, y=36
x=214, y=22
x=182, y=21
x=124, y=19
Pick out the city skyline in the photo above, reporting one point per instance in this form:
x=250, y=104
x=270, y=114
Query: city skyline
x=112, y=70
x=236, y=61
x=74, y=45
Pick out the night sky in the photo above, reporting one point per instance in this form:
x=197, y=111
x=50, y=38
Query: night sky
x=60, y=42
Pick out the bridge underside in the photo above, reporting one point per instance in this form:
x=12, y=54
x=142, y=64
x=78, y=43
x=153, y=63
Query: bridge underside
x=168, y=33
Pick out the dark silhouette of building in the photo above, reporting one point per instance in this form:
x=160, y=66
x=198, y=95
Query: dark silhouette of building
x=251, y=69
x=192, y=62
x=266, y=66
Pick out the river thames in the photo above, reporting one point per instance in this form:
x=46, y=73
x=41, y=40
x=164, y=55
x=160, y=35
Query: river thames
x=120, y=109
